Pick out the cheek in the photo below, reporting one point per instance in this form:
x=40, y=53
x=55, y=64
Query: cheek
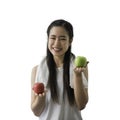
x=66, y=45
x=49, y=44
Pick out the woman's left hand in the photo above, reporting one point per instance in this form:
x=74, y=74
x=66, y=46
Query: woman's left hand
x=78, y=70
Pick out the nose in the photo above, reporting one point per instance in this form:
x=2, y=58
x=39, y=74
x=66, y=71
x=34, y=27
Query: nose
x=57, y=41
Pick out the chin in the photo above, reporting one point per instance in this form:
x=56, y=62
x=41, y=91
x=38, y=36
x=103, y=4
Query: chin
x=56, y=54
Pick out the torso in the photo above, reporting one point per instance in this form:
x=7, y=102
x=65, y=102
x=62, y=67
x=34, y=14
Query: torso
x=56, y=111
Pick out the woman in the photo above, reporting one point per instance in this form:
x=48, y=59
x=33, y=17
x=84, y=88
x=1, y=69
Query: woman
x=66, y=91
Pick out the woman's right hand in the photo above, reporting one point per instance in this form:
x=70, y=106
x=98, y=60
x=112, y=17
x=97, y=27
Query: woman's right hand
x=38, y=102
x=41, y=95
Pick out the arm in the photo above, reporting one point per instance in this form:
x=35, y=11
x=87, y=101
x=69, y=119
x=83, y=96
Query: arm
x=81, y=93
x=37, y=101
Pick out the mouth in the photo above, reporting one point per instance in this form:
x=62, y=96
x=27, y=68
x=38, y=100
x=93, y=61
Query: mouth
x=56, y=49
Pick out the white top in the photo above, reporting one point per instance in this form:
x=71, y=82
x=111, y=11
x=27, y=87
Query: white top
x=61, y=110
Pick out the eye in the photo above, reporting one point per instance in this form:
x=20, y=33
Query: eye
x=63, y=39
x=52, y=38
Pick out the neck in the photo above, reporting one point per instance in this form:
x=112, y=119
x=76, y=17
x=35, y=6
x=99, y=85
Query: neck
x=59, y=60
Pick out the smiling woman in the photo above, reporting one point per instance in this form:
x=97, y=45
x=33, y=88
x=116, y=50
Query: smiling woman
x=66, y=86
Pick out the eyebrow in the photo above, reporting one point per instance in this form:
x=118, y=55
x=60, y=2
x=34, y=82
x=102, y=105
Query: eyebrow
x=52, y=35
x=62, y=36
x=59, y=36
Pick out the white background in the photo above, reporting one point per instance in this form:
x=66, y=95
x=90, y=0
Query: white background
x=23, y=25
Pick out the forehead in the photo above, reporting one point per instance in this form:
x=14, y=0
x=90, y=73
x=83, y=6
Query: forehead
x=57, y=30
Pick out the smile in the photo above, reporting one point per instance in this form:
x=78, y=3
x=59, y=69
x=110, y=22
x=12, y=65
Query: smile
x=57, y=49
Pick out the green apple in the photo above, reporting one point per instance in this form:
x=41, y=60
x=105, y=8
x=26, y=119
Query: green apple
x=80, y=61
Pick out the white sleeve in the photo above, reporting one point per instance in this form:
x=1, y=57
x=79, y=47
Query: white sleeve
x=37, y=78
x=42, y=72
x=85, y=81
x=37, y=74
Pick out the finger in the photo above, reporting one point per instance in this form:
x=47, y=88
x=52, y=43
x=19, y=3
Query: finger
x=83, y=69
x=78, y=70
x=43, y=94
x=40, y=95
x=36, y=94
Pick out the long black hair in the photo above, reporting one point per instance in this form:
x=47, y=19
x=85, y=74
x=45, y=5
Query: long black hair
x=52, y=82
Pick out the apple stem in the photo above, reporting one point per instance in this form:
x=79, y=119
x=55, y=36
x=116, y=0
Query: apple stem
x=87, y=63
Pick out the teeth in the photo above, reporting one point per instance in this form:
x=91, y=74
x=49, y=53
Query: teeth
x=57, y=49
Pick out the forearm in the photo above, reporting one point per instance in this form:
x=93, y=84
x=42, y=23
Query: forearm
x=37, y=101
x=81, y=95
x=38, y=105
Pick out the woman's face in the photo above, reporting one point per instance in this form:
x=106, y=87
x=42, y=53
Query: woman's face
x=58, y=41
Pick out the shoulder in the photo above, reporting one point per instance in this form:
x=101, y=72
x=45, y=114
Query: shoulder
x=34, y=69
x=40, y=67
x=33, y=74
x=42, y=62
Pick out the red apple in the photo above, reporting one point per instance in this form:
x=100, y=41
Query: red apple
x=38, y=88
